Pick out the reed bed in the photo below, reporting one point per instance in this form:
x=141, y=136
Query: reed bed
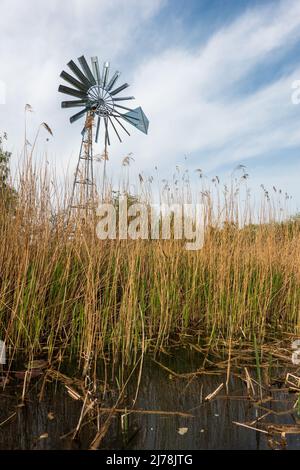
x=65, y=293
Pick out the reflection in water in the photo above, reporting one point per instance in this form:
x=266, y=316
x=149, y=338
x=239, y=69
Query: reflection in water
x=211, y=427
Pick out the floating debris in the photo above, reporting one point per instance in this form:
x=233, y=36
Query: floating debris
x=215, y=393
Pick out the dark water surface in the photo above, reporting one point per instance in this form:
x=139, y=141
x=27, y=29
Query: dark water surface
x=42, y=425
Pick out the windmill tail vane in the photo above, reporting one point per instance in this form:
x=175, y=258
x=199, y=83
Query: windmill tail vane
x=98, y=96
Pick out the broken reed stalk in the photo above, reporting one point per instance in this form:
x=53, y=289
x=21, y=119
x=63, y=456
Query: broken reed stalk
x=146, y=412
x=250, y=427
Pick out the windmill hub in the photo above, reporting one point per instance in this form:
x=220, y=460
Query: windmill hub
x=100, y=100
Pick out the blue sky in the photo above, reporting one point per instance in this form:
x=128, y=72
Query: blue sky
x=213, y=76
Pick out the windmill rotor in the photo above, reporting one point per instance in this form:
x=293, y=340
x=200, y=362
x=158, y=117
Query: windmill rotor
x=98, y=94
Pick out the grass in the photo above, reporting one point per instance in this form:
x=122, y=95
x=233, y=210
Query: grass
x=65, y=293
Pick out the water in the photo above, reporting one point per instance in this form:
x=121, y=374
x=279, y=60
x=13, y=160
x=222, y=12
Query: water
x=42, y=425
